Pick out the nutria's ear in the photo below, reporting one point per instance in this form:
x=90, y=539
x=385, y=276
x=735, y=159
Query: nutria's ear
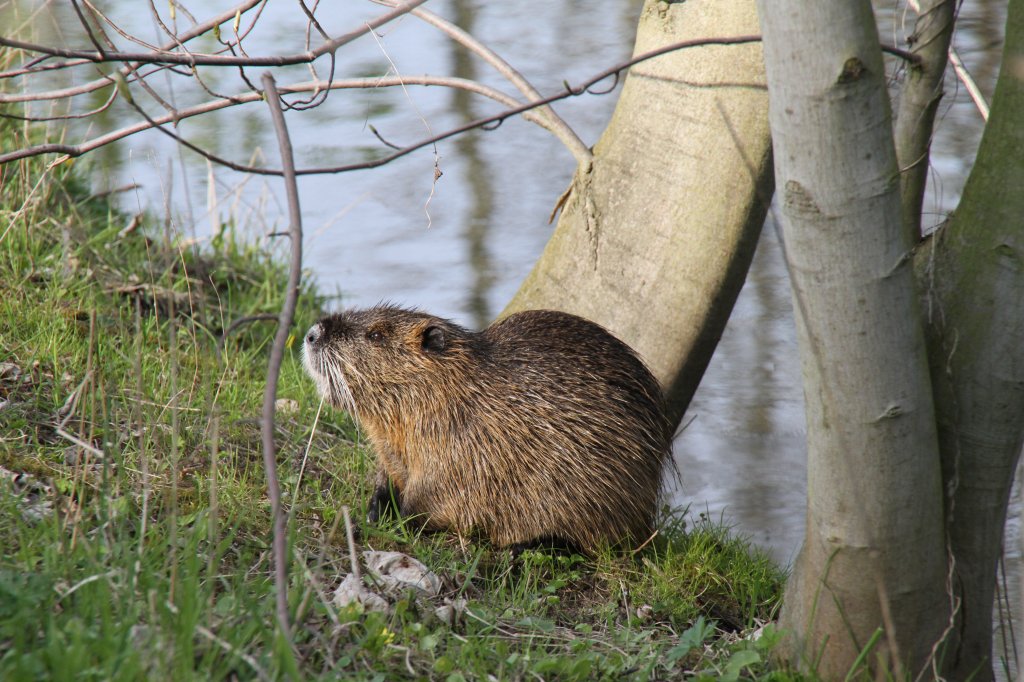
x=434, y=339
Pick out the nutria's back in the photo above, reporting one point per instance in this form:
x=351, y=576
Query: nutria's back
x=543, y=425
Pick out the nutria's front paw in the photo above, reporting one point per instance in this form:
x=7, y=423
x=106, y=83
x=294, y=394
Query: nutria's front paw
x=551, y=544
x=383, y=501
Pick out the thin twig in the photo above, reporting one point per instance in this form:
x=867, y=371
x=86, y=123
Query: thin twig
x=67, y=410
x=259, y=317
x=426, y=124
x=305, y=455
x=79, y=442
x=172, y=343
x=902, y=54
x=350, y=536
x=890, y=625
x=969, y=83
x=83, y=582
x=214, y=508
x=139, y=416
x=277, y=352
x=66, y=117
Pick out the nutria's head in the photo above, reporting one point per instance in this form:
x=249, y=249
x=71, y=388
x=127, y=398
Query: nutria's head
x=366, y=360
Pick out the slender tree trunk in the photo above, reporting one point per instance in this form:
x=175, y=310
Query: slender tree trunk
x=919, y=100
x=972, y=276
x=870, y=573
x=657, y=234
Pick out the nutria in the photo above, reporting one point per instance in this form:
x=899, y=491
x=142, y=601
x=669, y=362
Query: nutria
x=541, y=427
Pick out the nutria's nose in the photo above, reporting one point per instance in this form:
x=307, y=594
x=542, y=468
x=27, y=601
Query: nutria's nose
x=313, y=334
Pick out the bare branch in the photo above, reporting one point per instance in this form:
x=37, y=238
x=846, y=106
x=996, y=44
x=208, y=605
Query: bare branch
x=318, y=97
x=313, y=23
x=556, y=124
x=486, y=123
x=313, y=86
x=277, y=353
x=492, y=121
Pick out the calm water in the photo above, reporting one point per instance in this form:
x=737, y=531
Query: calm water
x=460, y=246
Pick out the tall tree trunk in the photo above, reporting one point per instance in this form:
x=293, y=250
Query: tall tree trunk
x=656, y=237
x=972, y=276
x=871, y=570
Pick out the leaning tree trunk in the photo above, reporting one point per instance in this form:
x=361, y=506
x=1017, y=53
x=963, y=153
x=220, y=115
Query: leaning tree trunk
x=871, y=571
x=656, y=237
x=972, y=276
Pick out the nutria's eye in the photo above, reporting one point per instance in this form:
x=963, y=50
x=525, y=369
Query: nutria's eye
x=375, y=336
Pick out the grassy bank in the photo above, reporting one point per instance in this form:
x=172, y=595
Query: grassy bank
x=134, y=522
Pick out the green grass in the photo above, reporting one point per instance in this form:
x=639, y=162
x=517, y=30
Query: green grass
x=153, y=559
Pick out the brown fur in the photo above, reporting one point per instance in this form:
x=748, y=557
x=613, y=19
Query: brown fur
x=542, y=426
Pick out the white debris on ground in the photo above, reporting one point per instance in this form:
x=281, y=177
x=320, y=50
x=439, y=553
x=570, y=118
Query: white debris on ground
x=351, y=590
x=396, y=573
x=286, y=406
x=35, y=496
x=392, y=576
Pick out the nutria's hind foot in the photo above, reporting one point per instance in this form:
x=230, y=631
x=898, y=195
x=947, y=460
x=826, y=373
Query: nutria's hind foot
x=384, y=501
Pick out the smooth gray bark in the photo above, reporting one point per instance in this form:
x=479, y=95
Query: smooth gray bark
x=919, y=100
x=657, y=234
x=873, y=557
